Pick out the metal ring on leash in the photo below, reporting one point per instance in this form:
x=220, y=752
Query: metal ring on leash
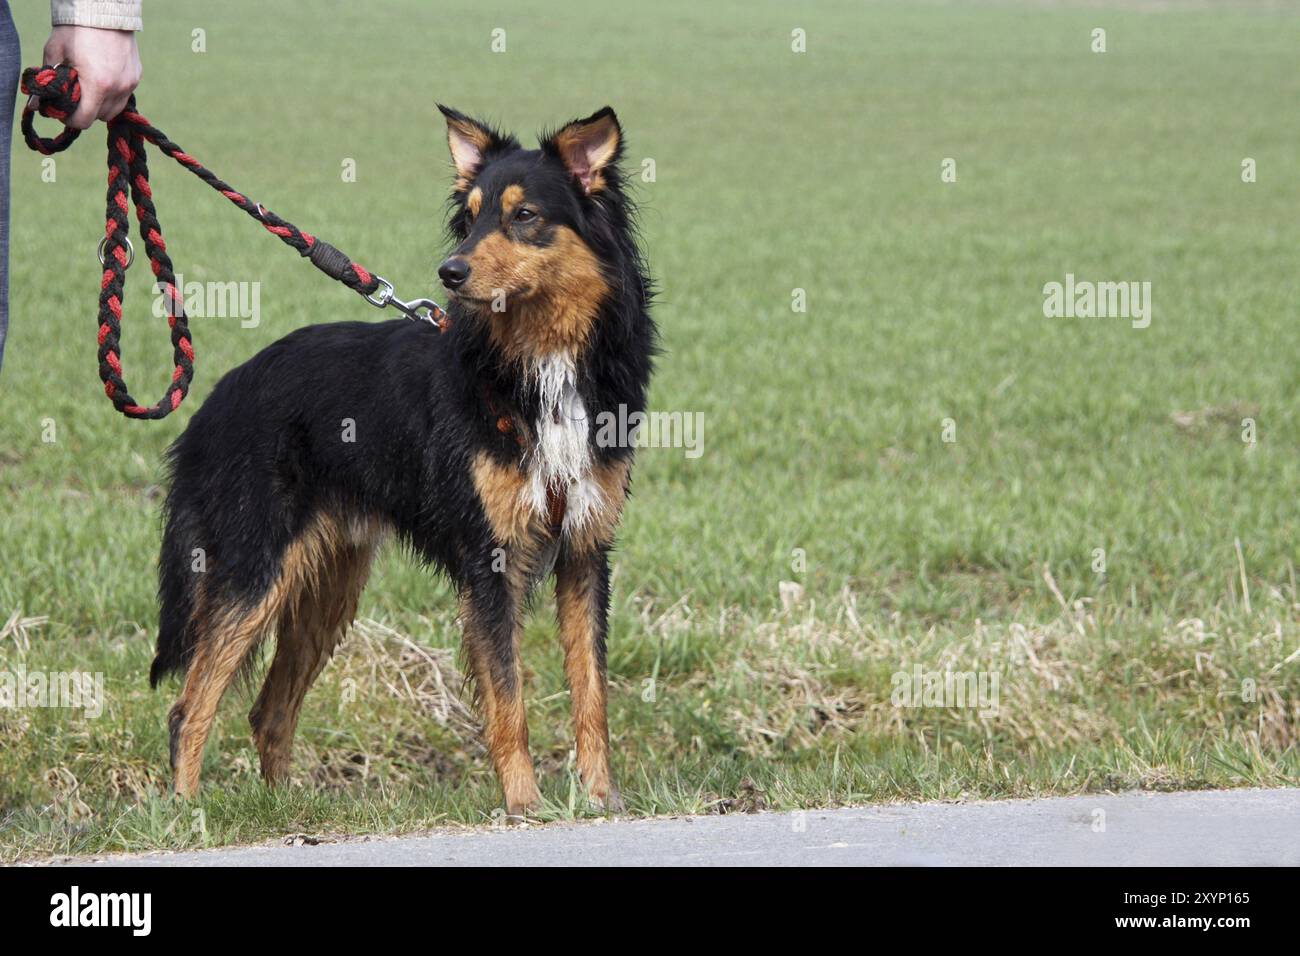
x=130, y=251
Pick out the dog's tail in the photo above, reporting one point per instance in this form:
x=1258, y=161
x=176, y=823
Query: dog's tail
x=179, y=571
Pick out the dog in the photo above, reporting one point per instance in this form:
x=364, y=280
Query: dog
x=473, y=445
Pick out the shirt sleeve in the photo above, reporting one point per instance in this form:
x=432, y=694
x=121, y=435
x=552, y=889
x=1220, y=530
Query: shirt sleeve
x=105, y=14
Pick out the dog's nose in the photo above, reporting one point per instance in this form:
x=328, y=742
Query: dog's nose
x=454, y=272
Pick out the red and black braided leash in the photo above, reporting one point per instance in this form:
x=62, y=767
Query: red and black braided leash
x=56, y=93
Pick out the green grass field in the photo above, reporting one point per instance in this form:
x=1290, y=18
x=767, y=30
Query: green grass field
x=775, y=171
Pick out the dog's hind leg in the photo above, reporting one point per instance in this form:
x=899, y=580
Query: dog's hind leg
x=311, y=625
x=226, y=636
x=223, y=646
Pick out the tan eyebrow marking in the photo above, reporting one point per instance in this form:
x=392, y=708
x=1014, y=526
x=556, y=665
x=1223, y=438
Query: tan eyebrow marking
x=474, y=201
x=511, y=198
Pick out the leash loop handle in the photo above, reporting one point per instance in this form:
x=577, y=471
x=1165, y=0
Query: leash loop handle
x=56, y=92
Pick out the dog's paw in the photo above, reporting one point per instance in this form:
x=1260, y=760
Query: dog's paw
x=610, y=802
x=526, y=803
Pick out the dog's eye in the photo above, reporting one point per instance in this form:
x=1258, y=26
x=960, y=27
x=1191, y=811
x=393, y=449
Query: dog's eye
x=524, y=214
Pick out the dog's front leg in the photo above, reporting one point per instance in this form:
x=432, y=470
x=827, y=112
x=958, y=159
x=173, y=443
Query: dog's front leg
x=491, y=606
x=582, y=605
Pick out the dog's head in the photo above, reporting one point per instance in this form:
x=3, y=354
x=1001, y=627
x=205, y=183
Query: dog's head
x=536, y=230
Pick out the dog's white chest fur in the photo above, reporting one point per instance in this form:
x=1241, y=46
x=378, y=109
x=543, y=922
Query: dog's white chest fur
x=562, y=456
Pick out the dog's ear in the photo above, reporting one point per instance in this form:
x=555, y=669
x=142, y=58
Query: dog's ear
x=469, y=141
x=587, y=147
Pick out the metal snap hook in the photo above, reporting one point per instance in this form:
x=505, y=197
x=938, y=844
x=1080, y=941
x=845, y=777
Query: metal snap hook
x=418, y=310
x=381, y=296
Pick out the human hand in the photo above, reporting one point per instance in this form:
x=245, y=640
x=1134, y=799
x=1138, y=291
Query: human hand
x=108, y=66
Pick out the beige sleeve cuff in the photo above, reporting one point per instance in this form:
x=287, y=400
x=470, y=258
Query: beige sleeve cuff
x=105, y=14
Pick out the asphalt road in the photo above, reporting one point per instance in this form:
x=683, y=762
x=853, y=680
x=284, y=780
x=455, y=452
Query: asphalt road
x=1237, y=827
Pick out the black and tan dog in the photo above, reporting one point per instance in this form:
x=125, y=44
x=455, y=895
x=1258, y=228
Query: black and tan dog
x=475, y=448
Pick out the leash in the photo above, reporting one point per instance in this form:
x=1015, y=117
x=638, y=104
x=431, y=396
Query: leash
x=57, y=93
